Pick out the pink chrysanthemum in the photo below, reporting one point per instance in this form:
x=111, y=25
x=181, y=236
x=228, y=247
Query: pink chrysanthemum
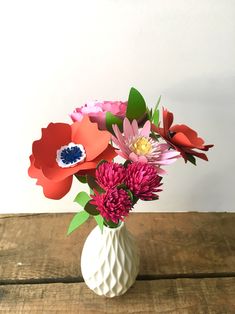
x=113, y=205
x=137, y=145
x=110, y=174
x=143, y=181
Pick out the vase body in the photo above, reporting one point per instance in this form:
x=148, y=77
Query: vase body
x=110, y=261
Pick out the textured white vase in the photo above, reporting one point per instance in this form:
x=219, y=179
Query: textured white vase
x=110, y=261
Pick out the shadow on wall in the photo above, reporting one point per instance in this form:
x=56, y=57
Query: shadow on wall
x=208, y=105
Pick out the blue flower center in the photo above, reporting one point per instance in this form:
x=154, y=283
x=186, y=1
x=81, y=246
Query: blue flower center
x=70, y=155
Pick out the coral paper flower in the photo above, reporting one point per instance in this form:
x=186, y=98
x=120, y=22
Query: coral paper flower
x=113, y=205
x=110, y=174
x=65, y=150
x=96, y=110
x=181, y=137
x=137, y=145
x=143, y=181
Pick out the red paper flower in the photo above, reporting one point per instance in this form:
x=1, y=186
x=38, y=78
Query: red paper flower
x=110, y=174
x=113, y=205
x=143, y=181
x=65, y=150
x=181, y=138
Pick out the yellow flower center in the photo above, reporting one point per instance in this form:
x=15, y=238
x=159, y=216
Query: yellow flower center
x=142, y=146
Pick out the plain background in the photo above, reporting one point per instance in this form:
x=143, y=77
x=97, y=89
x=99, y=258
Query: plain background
x=56, y=55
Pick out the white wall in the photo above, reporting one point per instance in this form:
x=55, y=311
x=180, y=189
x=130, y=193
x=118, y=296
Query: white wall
x=55, y=55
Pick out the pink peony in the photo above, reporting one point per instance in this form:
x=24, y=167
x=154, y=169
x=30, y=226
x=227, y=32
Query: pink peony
x=110, y=174
x=113, y=205
x=143, y=181
x=96, y=110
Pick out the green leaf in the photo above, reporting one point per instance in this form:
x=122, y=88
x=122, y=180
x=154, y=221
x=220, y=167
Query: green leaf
x=126, y=163
x=130, y=195
x=191, y=159
x=82, y=198
x=156, y=117
x=82, y=179
x=91, y=209
x=111, y=120
x=136, y=107
x=77, y=221
x=100, y=221
x=94, y=185
x=122, y=186
x=158, y=102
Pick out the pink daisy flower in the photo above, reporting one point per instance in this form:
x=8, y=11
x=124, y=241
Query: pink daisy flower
x=136, y=145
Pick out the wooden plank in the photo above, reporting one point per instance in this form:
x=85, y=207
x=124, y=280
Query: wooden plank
x=158, y=296
x=36, y=249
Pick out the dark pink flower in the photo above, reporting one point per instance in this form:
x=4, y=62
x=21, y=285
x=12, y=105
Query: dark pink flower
x=110, y=174
x=143, y=181
x=113, y=205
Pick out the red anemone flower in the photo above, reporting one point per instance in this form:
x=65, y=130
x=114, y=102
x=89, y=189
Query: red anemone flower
x=65, y=150
x=181, y=138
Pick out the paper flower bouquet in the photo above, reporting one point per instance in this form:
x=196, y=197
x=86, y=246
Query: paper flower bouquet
x=86, y=148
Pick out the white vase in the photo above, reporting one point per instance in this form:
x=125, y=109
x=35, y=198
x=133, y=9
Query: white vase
x=110, y=261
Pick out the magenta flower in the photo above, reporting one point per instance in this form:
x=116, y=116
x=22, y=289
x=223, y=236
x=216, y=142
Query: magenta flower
x=143, y=181
x=96, y=110
x=113, y=205
x=137, y=145
x=110, y=174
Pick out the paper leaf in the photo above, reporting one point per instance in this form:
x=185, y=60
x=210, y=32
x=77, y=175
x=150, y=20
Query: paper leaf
x=82, y=198
x=100, y=221
x=82, y=179
x=94, y=185
x=126, y=163
x=111, y=120
x=158, y=102
x=130, y=195
x=77, y=221
x=91, y=209
x=156, y=117
x=191, y=159
x=136, y=107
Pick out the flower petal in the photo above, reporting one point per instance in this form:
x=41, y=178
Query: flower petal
x=127, y=129
x=88, y=134
x=146, y=129
x=53, y=137
x=51, y=189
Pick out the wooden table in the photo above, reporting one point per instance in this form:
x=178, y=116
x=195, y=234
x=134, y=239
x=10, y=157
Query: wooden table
x=187, y=265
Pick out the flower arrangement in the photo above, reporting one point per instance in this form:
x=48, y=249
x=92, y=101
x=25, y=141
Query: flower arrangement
x=86, y=149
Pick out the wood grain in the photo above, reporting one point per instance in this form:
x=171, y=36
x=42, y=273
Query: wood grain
x=36, y=249
x=182, y=296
